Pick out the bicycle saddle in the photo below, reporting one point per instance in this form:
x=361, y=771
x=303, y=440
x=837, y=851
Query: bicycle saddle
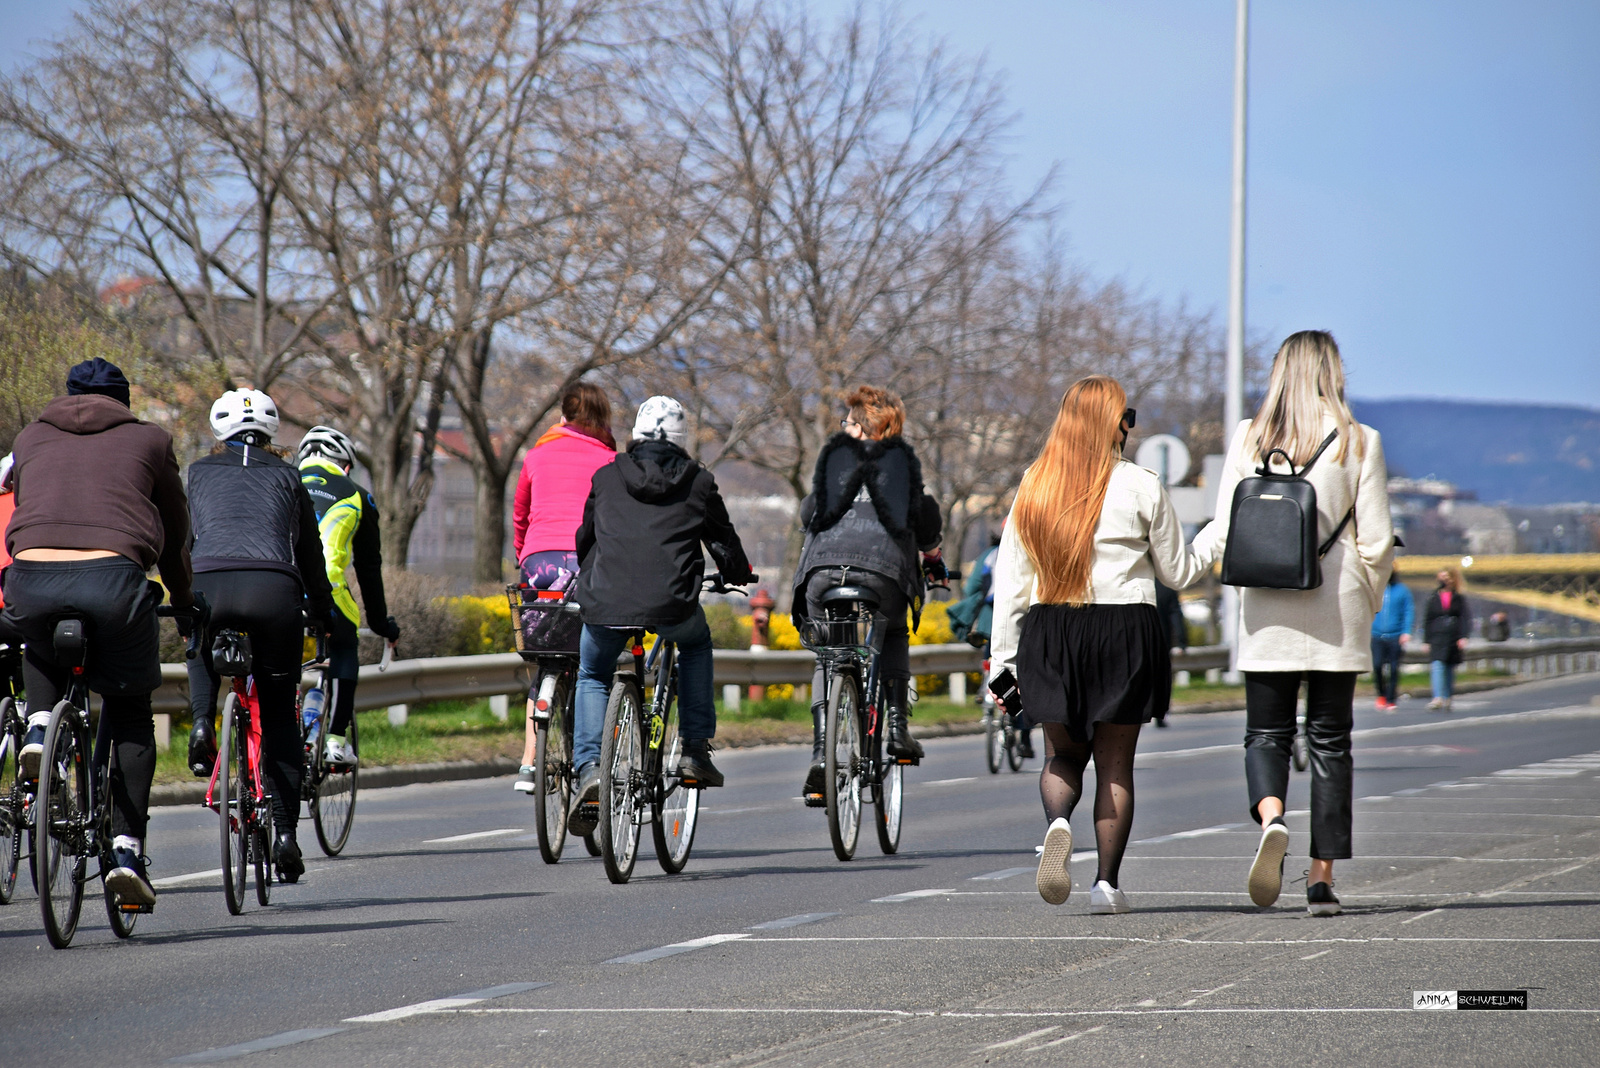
x=70, y=641
x=848, y=595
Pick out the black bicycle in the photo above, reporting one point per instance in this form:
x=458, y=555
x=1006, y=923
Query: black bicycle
x=16, y=790
x=640, y=778
x=73, y=810
x=547, y=628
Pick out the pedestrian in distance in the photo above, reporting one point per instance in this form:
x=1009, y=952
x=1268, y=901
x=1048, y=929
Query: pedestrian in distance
x=548, y=506
x=1391, y=632
x=640, y=566
x=1321, y=636
x=1446, y=622
x=1075, y=619
x=868, y=514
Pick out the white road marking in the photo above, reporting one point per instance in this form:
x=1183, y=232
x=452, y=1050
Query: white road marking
x=1040, y=1014
x=793, y=921
x=910, y=895
x=644, y=956
x=1003, y=873
x=1206, y=994
x=948, y=782
x=191, y=877
x=1314, y=956
x=1421, y=916
x=473, y=834
x=1020, y=1039
x=1136, y=940
x=1068, y=1038
x=1199, y=832
x=287, y=1038
x=471, y=997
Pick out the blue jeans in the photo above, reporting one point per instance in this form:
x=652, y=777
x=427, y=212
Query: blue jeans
x=1386, y=655
x=598, y=652
x=1444, y=679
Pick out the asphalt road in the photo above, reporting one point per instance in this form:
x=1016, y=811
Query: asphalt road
x=440, y=938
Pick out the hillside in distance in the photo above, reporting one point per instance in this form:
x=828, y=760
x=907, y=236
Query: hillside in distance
x=1513, y=453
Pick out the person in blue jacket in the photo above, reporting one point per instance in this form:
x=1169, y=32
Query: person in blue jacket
x=1391, y=630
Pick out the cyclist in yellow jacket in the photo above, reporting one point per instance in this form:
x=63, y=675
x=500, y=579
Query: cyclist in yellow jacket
x=348, y=521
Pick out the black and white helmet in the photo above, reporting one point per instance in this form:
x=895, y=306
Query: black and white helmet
x=241, y=410
x=330, y=443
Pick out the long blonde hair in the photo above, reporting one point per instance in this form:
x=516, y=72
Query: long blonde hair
x=1058, y=504
x=1306, y=375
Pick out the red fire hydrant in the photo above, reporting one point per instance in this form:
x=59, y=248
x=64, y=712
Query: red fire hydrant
x=761, y=605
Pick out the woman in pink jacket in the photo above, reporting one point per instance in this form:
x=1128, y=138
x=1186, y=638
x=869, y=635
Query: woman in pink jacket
x=548, y=507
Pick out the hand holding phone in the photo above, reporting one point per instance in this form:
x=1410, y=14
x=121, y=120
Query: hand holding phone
x=1006, y=693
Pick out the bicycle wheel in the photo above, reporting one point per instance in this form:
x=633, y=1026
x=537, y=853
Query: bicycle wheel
x=676, y=809
x=842, y=764
x=335, y=807
x=231, y=802
x=621, y=758
x=552, y=781
x=1014, y=747
x=10, y=804
x=62, y=812
x=1302, y=755
x=261, y=853
x=994, y=742
x=592, y=844
x=889, y=805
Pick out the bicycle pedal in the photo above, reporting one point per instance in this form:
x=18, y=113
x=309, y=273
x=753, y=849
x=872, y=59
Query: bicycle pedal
x=908, y=761
x=135, y=907
x=816, y=801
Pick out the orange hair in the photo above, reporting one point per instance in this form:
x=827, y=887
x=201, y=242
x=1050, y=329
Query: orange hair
x=879, y=412
x=1058, y=504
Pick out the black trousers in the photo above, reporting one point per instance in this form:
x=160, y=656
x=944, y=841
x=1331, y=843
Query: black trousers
x=124, y=660
x=267, y=606
x=1270, y=698
x=344, y=668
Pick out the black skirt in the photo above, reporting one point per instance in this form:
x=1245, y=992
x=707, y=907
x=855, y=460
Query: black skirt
x=1102, y=663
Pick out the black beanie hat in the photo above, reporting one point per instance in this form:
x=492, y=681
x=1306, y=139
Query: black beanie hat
x=98, y=376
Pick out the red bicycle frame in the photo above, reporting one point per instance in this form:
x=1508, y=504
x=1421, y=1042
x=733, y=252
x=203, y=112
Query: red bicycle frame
x=245, y=690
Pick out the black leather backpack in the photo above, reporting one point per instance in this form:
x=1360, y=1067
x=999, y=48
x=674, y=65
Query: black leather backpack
x=1272, y=528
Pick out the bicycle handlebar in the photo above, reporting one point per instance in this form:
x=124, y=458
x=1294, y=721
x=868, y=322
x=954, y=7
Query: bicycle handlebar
x=713, y=583
x=388, y=647
x=197, y=614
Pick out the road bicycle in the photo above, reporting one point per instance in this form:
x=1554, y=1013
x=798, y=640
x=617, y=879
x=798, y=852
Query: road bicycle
x=73, y=808
x=237, y=790
x=640, y=752
x=547, y=629
x=1002, y=741
x=16, y=791
x=328, y=790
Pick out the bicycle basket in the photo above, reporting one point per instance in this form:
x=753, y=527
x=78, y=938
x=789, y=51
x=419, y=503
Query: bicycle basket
x=230, y=653
x=839, y=627
x=541, y=621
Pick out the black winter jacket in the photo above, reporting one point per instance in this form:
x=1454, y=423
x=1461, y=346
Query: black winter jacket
x=1443, y=626
x=868, y=509
x=249, y=512
x=639, y=558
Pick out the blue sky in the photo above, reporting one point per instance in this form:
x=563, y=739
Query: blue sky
x=1424, y=176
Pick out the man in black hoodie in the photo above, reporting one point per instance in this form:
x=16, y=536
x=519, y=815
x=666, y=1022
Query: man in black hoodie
x=640, y=566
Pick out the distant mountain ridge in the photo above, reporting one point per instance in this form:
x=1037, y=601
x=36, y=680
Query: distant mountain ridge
x=1511, y=453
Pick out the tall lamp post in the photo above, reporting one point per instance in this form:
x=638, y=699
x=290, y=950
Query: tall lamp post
x=1233, y=397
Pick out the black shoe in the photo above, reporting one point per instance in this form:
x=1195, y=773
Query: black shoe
x=1161, y=721
x=816, y=775
x=128, y=880
x=286, y=858
x=695, y=768
x=585, y=811
x=1320, y=900
x=1025, y=745
x=902, y=746
x=202, y=748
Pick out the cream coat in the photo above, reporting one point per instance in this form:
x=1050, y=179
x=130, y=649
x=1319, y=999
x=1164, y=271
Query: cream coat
x=1328, y=628
x=1137, y=540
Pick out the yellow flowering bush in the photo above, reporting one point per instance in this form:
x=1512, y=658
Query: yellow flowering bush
x=483, y=625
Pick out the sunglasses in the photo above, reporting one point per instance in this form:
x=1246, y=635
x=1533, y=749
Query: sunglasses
x=1128, y=417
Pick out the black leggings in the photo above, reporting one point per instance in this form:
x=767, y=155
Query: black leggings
x=267, y=606
x=1061, y=785
x=1270, y=698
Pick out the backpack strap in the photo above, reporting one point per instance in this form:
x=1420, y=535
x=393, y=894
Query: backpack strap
x=1351, y=514
x=1318, y=454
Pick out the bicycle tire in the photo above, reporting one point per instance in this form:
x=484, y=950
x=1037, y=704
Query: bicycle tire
x=842, y=763
x=592, y=844
x=621, y=756
x=1014, y=747
x=675, y=812
x=62, y=812
x=261, y=854
x=10, y=803
x=993, y=743
x=334, y=811
x=1302, y=755
x=890, y=807
x=230, y=798
x=552, y=781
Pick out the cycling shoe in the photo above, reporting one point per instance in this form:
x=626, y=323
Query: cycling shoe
x=286, y=858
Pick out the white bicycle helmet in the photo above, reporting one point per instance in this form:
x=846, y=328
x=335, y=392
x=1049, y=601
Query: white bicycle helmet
x=240, y=410
x=330, y=443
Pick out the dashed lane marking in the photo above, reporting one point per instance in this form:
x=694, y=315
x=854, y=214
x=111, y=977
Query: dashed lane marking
x=1136, y=940
x=1003, y=873
x=793, y=921
x=949, y=782
x=191, y=877
x=647, y=955
x=287, y=1038
x=459, y=1001
x=1041, y=1014
x=1314, y=956
x=1066, y=1039
x=910, y=895
x=473, y=834
x=1020, y=1039
x=1199, y=832
x=1419, y=916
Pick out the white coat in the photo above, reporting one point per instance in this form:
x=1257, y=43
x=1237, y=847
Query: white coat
x=1328, y=628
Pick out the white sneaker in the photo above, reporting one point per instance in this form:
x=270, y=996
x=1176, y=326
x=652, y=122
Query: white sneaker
x=1055, y=856
x=1266, y=874
x=339, y=753
x=32, y=750
x=525, y=783
x=1107, y=900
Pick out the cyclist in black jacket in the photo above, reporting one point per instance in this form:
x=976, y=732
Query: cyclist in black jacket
x=257, y=558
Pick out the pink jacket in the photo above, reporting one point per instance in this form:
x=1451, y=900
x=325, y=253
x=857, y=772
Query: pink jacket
x=552, y=489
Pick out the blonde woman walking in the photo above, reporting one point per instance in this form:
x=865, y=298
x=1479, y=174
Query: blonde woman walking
x=1319, y=636
x=1075, y=618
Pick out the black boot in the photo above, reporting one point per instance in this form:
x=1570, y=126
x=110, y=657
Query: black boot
x=815, y=774
x=202, y=747
x=901, y=745
x=286, y=856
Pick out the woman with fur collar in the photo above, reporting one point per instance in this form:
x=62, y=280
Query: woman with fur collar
x=865, y=522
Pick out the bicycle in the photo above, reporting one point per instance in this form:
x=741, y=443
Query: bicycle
x=16, y=792
x=640, y=778
x=547, y=628
x=237, y=790
x=1002, y=741
x=73, y=810
x=328, y=790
